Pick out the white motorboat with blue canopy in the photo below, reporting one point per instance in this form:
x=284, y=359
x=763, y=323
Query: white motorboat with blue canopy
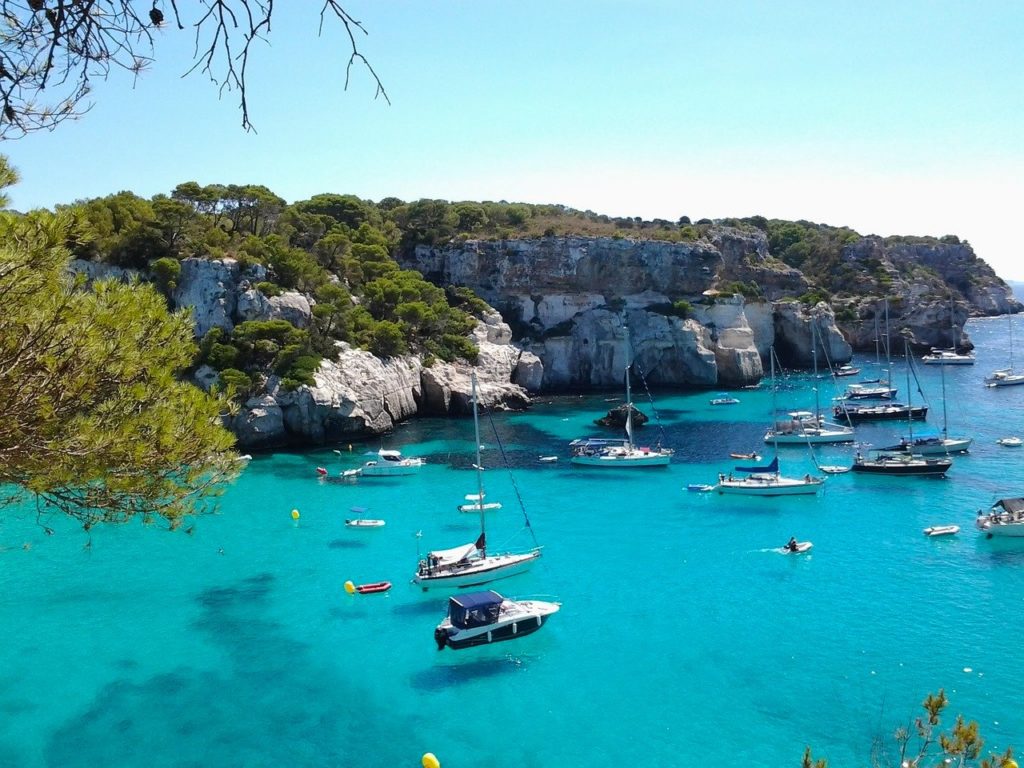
x=479, y=618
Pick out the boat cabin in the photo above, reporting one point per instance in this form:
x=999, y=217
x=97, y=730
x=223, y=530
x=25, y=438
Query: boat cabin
x=475, y=609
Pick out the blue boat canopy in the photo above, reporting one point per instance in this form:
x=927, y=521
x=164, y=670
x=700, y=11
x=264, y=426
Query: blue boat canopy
x=474, y=609
x=772, y=467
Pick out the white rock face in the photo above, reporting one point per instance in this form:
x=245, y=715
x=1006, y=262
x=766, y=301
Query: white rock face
x=209, y=288
x=252, y=305
x=293, y=307
x=260, y=423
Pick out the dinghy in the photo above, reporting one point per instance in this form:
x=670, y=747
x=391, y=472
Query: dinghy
x=942, y=530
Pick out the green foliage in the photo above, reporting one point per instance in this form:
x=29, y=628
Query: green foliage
x=166, y=272
x=269, y=289
x=119, y=229
x=747, y=290
x=680, y=308
x=926, y=743
x=386, y=339
x=814, y=296
x=96, y=423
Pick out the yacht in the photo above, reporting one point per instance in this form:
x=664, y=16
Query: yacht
x=885, y=463
x=948, y=357
x=389, y=463
x=479, y=618
x=1005, y=518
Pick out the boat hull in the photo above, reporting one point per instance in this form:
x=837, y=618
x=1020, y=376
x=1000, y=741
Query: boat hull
x=753, y=486
x=493, y=569
x=639, y=460
x=811, y=436
x=511, y=631
x=928, y=467
x=371, y=469
x=881, y=413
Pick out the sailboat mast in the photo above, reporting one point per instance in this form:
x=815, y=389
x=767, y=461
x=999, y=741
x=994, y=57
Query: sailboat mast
x=910, y=413
x=479, y=466
x=888, y=347
x=814, y=357
x=945, y=424
x=1010, y=318
x=775, y=431
x=629, y=394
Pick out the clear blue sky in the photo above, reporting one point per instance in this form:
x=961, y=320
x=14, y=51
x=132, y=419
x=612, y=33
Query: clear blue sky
x=888, y=117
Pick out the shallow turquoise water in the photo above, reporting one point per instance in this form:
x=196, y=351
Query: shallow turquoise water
x=682, y=633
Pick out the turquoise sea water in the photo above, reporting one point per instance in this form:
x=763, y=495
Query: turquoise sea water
x=683, y=633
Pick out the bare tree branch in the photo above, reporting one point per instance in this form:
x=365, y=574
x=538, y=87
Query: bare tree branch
x=52, y=50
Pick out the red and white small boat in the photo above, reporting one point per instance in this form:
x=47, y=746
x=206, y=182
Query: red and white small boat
x=377, y=586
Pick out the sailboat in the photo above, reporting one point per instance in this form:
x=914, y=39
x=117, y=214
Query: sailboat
x=767, y=480
x=932, y=445
x=950, y=356
x=476, y=500
x=620, y=452
x=875, y=389
x=804, y=427
x=886, y=462
x=1006, y=377
x=469, y=565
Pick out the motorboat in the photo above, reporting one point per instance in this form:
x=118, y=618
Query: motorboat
x=363, y=522
x=847, y=370
x=1005, y=518
x=883, y=463
x=947, y=357
x=390, y=463
x=547, y=459
x=724, y=399
x=476, y=503
x=700, y=487
x=752, y=456
x=942, y=530
x=1010, y=442
x=833, y=469
x=479, y=618
x=864, y=391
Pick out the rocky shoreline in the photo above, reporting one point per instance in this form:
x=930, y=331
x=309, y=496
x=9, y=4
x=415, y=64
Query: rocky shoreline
x=566, y=307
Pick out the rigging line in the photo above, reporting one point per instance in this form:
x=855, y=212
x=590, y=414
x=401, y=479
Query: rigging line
x=512, y=477
x=650, y=398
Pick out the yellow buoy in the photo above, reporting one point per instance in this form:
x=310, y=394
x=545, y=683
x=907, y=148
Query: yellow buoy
x=429, y=761
x=1007, y=763
x=295, y=514
x=350, y=587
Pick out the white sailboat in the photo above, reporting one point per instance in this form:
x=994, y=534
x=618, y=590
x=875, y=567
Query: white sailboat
x=767, y=480
x=949, y=356
x=470, y=565
x=934, y=445
x=804, y=427
x=604, y=452
x=1006, y=377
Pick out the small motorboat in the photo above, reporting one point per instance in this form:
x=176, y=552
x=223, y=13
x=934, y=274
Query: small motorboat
x=478, y=618
x=834, y=469
x=796, y=547
x=322, y=471
x=363, y=522
x=847, y=370
x=748, y=456
x=700, y=487
x=724, y=399
x=942, y=530
x=547, y=459
x=377, y=586
x=1010, y=442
